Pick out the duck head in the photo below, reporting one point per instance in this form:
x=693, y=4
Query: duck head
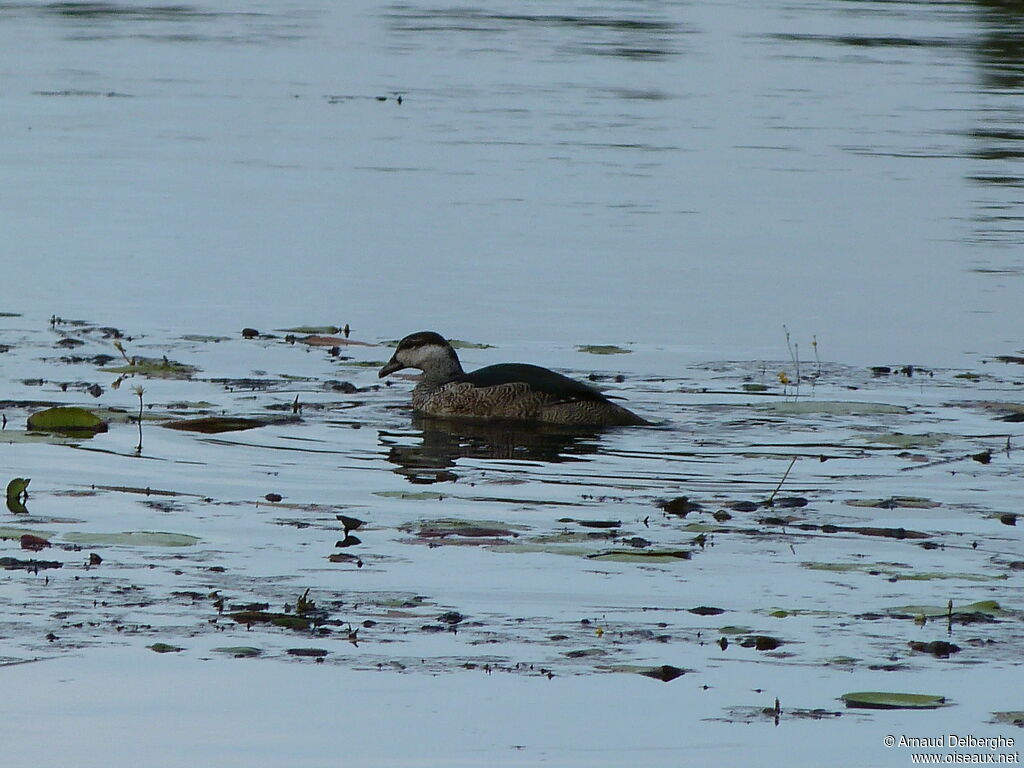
x=427, y=351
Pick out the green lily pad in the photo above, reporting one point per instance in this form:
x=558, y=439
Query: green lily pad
x=755, y=388
x=909, y=442
x=409, y=495
x=154, y=368
x=884, y=700
x=901, y=571
x=602, y=349
x=239, y=651
x=16, y=533
x=989, y=607
x=445, y=527
x=212, y=425
x=16, y=494
x=165, y=648
x=133, y=539
x=67, y=420
x=1010, y=718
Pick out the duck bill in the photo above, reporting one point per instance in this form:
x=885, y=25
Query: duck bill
x=390, y=367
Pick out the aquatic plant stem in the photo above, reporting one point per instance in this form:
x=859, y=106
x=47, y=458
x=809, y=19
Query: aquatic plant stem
x=771, y=499
x=139, y=391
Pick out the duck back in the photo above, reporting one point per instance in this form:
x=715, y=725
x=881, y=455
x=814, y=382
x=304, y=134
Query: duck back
x=537, y=379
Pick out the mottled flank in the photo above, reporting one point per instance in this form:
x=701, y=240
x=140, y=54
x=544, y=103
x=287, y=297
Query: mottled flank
x=514, y=391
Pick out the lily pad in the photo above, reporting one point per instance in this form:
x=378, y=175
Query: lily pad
x=643, y=556
x=16, y=495
x=67, y=420
x=238, y=651
x=165, y=648
x=908, y=442
x=445, y=527
x=212, y=425
x=154, y=368
x=666, y=672
x=133, y=539
x=893, y=502
x=285, y=620
x=884, y=700
x=989, y=607
x=602, y=349
x=328, y=329
x=409, y=495
x=16, y=533
x=204, y=338
x=1010, y=718
x=832, y=408
x=315, y=340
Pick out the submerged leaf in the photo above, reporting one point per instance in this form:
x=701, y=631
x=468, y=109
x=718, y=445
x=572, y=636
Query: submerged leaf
x=211, y=425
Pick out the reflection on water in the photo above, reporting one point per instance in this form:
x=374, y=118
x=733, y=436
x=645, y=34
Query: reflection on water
x=638, y=31
x=442, y=442
x=999, y=139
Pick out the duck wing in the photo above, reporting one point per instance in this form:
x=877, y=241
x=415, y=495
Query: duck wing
x=538, y=379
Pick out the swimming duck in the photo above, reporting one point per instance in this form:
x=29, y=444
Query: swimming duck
x=515, y=391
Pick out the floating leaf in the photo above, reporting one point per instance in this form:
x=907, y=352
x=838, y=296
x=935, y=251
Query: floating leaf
x=584, y=653
x=12, y=563
x=989, y=607
x=17, y=533
x=239, y=651
x=642, y=556
x=203, y=338
x=831, y=408
x=908, y=442
x=164, y=648
x=68, y=420
x=912, y=502
x=602, y=349
x=154, y=368
x=133, y=539
x=285, y=620
x=332, y=341
x=883, y=700
x=16, y=494
x=666, y=672
x=317, y=653
x=310, y=329
x=1010, y=718
x=211, y=425
x=409, y=495
x=445, y=527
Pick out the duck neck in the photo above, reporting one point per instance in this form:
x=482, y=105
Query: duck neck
x=439, y=373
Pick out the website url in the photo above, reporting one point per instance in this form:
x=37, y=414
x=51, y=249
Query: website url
x=958, y=758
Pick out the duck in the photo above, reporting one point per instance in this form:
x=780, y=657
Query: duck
x=507, y=391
